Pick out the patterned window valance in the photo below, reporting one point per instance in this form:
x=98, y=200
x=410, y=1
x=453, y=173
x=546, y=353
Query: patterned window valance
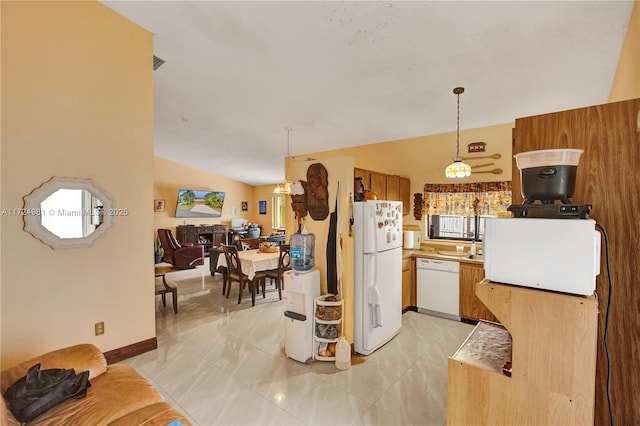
x=480, y=198
x=468, y=187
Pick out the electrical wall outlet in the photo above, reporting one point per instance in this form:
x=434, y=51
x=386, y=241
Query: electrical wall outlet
x=99, y=326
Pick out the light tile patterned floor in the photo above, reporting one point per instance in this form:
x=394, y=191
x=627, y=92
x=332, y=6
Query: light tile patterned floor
x=221, y=363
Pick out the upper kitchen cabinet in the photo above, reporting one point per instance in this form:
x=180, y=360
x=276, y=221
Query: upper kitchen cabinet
x=405, y=194
x=393, y=187
x=607, y=178
x=379, y=185
x=386, y=187
x=365, y=175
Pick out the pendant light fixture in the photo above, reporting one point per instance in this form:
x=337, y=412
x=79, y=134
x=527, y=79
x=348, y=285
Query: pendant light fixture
x=458, y=168
x=285, y=187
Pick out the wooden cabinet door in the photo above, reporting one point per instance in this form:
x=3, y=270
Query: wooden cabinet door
x=219, y=238
x=408, y=286
x=470, y=306
x=187, y=234
x=405, y=195
x=607, y=178
x=365, y=175
x=379, y=185
x=393, y=188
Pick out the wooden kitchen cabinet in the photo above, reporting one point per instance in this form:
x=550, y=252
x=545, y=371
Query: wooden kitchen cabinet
x=365, y=175
x=387, y=187
x=471, y=307
x=405, y=194
x=379, y=185
x=408, y=283
x=393, y=188
x=553, y=355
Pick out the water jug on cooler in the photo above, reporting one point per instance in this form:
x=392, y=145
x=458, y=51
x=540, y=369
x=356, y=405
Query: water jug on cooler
x=302, y=251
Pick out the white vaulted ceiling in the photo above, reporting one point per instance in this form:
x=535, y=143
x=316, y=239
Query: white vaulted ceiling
x=352, y=73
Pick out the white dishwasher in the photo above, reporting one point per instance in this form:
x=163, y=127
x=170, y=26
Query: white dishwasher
x=438, y=288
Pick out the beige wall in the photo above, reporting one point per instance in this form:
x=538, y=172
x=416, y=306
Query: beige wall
x=626, y=84
x=264, y=193
x=77, y=101
x=424, y=159
x=170, y=176
x=340, y=173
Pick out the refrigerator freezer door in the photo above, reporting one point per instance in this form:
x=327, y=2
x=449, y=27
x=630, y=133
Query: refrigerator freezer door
x=381, y=224
x=380, y=300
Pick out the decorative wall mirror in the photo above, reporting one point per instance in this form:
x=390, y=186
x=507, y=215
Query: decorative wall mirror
x=68, y=213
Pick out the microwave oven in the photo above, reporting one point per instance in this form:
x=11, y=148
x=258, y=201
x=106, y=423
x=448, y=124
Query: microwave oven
x=551, y=254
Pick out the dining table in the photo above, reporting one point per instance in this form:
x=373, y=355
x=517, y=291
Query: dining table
x=254, y=261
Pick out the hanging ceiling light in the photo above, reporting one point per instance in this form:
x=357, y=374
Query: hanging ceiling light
x=458, y=168
x=285, y=187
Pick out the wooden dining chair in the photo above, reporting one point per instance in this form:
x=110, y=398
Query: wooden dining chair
x=214, y=253
x=284, y=264
x=234, y=273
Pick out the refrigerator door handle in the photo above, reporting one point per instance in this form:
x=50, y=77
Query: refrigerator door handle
x=370, y=230
x=371, y=268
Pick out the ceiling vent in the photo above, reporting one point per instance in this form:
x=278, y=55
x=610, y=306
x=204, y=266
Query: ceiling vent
x=157, y=62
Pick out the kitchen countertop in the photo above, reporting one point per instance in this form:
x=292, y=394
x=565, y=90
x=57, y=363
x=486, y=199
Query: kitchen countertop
x=435, y=255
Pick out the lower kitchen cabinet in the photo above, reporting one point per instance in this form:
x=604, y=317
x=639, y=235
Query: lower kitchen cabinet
x=408, y=283
x=551, y=350
x=471, y=307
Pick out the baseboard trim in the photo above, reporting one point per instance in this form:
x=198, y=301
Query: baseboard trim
x=120, y=354
x=409, y=308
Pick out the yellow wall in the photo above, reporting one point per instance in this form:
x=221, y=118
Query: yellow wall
x=626, y=84
x=170, y=176
x=77, y=101
x=265, y=193
x=424, y=159
x=340, y=173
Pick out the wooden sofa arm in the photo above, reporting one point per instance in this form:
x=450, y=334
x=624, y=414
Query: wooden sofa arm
x=79, y=357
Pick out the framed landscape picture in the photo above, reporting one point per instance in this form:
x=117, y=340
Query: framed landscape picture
x=262, y=207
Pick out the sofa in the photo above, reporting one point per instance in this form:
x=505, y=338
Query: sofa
x=118, y=395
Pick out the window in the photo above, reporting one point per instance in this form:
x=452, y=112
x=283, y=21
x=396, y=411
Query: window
x=458, y=211
x=277, y=215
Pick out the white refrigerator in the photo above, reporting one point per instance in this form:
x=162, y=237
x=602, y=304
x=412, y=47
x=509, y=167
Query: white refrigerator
x=377, y=273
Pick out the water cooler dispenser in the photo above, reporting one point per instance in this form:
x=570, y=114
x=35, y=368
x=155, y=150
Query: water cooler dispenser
x=302, y=288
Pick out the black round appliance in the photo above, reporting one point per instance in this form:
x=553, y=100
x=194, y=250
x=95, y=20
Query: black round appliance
x=548, y=183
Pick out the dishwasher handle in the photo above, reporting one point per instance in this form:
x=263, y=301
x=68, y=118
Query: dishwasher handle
x=438, y=265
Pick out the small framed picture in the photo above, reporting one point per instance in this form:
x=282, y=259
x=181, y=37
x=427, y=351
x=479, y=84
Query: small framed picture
x=262, y=207
x=158, y=205
x=245, y=206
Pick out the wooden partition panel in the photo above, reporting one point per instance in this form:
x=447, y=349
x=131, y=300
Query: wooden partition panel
x=608, y=177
